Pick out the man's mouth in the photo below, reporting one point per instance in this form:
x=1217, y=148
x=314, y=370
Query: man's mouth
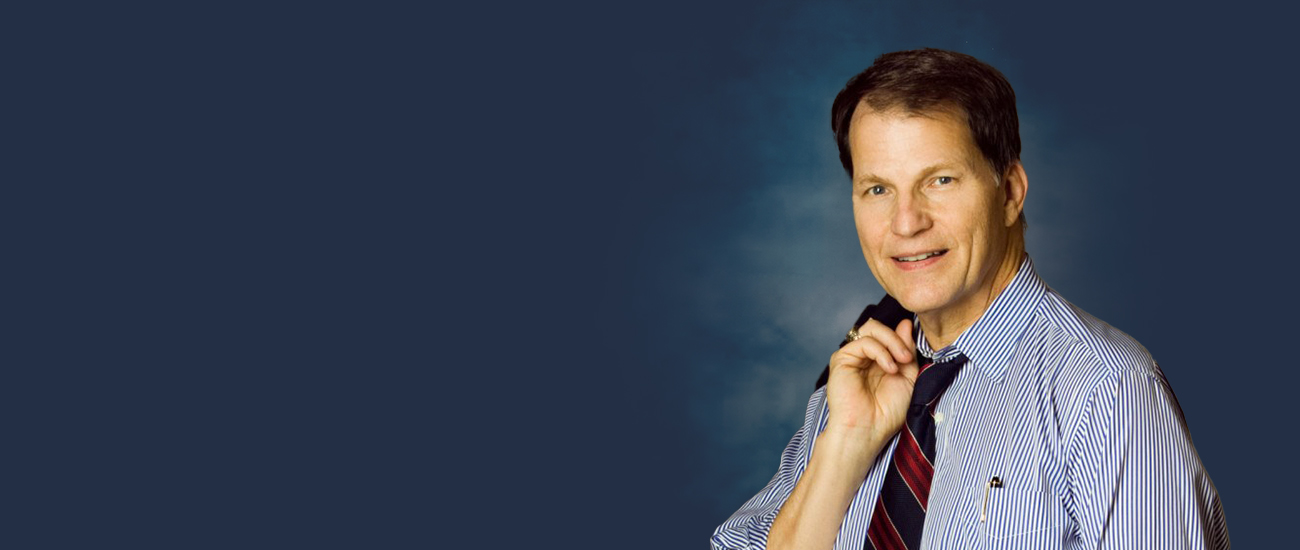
x=922, y=256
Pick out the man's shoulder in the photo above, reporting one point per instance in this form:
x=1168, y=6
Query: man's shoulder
x=1076, y=359
x=1092, y=343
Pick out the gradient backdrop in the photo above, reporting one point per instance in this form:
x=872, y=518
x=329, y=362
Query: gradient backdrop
x=563, y=274
x=1158, y=142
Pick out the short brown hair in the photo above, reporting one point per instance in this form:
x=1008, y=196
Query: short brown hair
x=927, y=80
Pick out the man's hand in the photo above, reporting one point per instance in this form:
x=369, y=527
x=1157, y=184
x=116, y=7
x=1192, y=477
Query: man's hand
x=868, y=391
x=870, y=384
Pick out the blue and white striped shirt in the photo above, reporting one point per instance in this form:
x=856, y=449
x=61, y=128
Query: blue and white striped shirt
x=1074, y=418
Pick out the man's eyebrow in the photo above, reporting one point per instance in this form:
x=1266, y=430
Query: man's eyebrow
x=869, y=178
x=931, y=169
x=925, y=173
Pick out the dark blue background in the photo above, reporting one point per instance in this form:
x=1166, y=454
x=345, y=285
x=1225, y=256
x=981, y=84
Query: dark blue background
x=339, y=276
x=1156, y=141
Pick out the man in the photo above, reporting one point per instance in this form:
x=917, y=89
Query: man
x=991, y=413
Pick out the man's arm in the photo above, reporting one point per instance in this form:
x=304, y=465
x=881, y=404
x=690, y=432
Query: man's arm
x=868, y=391
x=812, y=515
x=1135, y=479
x=748, y=528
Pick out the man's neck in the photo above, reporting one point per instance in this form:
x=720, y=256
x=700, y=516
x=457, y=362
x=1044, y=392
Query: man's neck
x=942, y=327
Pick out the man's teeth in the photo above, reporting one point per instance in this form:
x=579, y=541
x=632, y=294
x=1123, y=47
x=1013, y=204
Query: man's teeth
x=919, y=257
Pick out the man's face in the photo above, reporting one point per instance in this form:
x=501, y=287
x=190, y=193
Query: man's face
x=932, y=216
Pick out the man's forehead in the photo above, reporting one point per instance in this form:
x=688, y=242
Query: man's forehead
x=963, y=154
x=867, y=107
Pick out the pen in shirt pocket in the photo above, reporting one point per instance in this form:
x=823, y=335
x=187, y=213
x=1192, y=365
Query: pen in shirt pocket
x=984, y=509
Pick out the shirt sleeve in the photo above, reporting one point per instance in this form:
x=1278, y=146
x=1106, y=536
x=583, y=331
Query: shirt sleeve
x=1134, y=477
x=747, y=529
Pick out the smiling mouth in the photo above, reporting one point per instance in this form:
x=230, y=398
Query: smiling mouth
x=919, y=257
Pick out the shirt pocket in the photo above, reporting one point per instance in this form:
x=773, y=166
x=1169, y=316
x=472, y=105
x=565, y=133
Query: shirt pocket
x=1023, y=519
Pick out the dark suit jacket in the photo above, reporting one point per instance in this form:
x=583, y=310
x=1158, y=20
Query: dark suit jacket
x=888, y=311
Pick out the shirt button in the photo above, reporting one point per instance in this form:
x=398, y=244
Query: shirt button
x=938, y=417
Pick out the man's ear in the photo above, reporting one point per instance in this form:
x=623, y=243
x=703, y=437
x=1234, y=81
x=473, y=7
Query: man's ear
x=1015, y=185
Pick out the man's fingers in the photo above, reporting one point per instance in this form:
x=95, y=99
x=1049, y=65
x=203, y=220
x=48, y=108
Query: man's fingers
x=900, y=347
x=904, y=332
x=862, y=352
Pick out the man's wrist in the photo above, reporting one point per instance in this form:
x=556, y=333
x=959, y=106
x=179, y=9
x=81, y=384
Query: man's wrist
x=855, y=448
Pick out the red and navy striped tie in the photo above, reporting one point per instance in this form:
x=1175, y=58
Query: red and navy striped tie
x=900, y=510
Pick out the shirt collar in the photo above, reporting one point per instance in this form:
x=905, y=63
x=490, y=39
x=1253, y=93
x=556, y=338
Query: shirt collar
x=988, y=342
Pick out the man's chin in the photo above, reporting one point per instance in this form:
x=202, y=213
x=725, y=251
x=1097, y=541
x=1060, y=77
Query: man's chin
x=920, y=302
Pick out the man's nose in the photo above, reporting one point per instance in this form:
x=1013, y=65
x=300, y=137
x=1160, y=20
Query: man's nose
x=911, y=216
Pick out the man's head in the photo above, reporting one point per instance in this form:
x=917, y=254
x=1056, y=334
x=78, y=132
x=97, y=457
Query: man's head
x=930, y=139
x=919, y=82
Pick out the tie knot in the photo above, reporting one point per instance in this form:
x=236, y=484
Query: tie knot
x=934, y=379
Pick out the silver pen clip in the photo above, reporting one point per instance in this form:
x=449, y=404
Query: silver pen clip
x=984, y=510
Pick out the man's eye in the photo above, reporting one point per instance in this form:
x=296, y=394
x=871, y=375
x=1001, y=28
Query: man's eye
x=876, y=190
x=944, y=180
